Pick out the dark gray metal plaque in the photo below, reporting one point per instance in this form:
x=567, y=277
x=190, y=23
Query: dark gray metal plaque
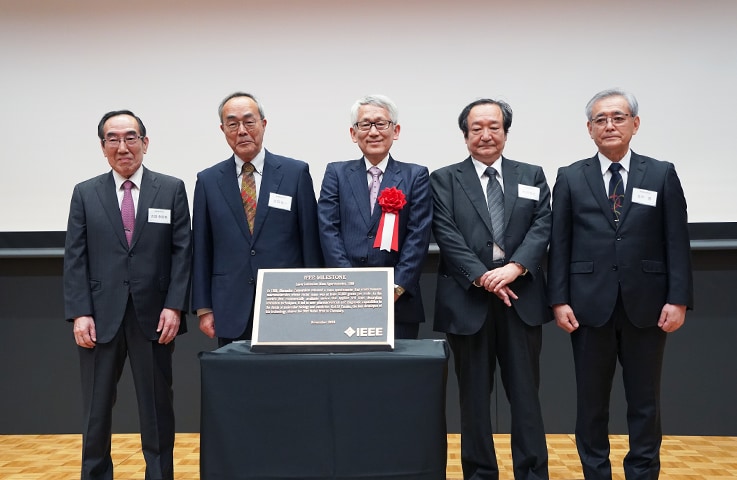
x=324, y=310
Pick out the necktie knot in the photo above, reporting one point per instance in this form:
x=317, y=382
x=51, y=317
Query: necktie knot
x=491, y=172
x=375, y=171
x=248, y=168
x=127, y=185
x=615, y=167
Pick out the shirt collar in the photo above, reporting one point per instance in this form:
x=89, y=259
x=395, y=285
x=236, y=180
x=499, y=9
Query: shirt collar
x=604, y=162
x=382, y=164
x=135, y=178
x=257, y=162
x=481, y=167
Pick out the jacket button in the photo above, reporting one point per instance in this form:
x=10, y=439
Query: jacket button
x=126, y=282
x=253, y=252
x=489, y=244
x=614, y=267
x=619, y=238
x=251, y=281
x=363, y=259
x=370, y=235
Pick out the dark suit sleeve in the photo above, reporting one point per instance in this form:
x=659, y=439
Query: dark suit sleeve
x=535, y=243
x=677, y=243
x=414, y=248
x=559, y=257
x=181, y=252
x=202, y=249
x=77, y=296
x=465, y=264
x=308, y=227
x=328, y=215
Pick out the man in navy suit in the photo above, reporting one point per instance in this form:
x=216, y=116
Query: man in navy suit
x=490, y=298
x=253, y=210
x=127, y=259
x=620, y=281
x=349, y=222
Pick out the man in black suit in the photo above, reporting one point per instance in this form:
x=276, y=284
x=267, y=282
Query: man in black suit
x=620, y=280
x=490, y=298
x=126, y=281
x=349, y=222
x=253, y=210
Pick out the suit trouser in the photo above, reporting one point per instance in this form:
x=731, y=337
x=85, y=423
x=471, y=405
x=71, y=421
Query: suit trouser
x=640, y=352
x=516, y=345
x=151, y=365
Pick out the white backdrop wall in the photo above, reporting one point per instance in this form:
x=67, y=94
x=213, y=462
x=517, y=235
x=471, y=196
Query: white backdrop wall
x=65, y=63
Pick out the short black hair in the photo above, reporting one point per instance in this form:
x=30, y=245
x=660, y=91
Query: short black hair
x=505, y=108
x=115, y=113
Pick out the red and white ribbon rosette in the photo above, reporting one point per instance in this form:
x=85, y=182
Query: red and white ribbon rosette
x=387, y=237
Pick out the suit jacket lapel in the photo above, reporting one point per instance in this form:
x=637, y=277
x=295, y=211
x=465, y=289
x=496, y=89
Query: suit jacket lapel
x=109, y=201
x=359, y=185
x=469, y=181
x=635, y=177
x=231, y=194
x=511, y=183
x=592, y=172
x=270, y=180
x=147, y=192
x=391, y=178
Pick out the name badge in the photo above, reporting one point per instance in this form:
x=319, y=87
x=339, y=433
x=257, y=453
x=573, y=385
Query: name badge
x=528, y=192
x=159, y=215
x=282, y=202
x=644, y=197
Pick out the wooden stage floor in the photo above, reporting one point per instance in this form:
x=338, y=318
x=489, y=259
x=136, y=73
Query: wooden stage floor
x=57, y=457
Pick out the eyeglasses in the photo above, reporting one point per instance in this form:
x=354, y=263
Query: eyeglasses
x=114, y=142
x=617, y=120
x=366, y=126
x=233, y=125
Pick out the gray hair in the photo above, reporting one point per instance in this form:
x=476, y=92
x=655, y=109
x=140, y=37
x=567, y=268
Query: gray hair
x=378, y=100
x=236, y=95
x=613, y=92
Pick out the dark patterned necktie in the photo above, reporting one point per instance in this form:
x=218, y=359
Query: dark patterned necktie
x=128, y=211
x=495, y=200
x=248, y=193
x=616, y=190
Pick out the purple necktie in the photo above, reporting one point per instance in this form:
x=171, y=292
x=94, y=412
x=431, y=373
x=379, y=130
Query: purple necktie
x=374, y=188
x=127, y=211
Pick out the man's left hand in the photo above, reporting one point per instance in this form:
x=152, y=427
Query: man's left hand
x=672, y=317
x=168, y=325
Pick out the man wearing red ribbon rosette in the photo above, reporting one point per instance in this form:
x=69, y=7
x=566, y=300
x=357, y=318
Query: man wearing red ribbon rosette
x=492, y=223
x=377, y=212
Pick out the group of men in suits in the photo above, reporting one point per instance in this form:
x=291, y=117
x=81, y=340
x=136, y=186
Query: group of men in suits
x=619, y=271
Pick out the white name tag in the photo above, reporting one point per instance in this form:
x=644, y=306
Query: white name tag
x=644, y=197
x=159, y=215
x=528, y=192
x=282, y=202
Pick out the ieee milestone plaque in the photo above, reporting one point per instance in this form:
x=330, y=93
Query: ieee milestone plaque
x=324, y=310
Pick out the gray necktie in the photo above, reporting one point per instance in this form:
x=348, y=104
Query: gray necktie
x=374, y=188
x=495, y=201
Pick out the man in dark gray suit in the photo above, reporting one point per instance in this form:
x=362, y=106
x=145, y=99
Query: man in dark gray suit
x=126, y=281
x=620, y=280
x=492, y=223
x=349, y=223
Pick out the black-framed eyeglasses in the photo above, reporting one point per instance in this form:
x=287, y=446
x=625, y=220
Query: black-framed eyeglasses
x=366, y=126
x=617, y=120
x=129, y=140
